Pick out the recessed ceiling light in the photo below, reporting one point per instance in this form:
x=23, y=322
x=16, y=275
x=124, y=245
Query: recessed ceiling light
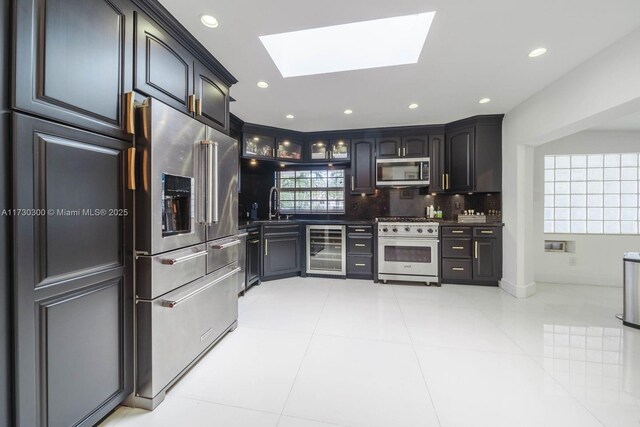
x=484, y=100
x=262, y=85
x=290, y=116
x=537, y=52
x=355, y=46
x=209, y=21
x=348, y=112
x=413, y=106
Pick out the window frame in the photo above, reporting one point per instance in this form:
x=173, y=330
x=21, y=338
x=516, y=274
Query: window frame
x=310, y=189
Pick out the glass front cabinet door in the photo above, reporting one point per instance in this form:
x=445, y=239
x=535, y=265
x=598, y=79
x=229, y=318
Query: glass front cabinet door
x=258, y=146
x=339, y=150
x=289, y=150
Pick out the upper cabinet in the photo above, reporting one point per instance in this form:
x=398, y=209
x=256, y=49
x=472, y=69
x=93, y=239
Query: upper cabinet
x=75, y=70
x=260, y=146
x=363, y=171
x=163, y=67
x=470, y=158
x=288, y=149
x=326, y=150
x=406, y=146
x=211, y=98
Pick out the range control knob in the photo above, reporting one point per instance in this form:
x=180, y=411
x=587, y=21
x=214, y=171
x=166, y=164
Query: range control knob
x=430, y=230
x=406, y=229
x=395, y=230
x=384, y=230
x=419, y=230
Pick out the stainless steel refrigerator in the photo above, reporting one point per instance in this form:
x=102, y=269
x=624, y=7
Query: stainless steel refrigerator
x=186, y=245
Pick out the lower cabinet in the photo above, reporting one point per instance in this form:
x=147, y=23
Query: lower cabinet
x=280, y=251
x=253, y=257
x=360, y=252
x=471, y=254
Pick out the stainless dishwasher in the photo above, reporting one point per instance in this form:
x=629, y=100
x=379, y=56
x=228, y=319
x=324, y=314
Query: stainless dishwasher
x=326, y=251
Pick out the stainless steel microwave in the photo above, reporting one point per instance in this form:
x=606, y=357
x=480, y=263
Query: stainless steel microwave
x=403, y=172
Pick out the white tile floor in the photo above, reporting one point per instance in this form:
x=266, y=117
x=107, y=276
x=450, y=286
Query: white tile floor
x=318, y=352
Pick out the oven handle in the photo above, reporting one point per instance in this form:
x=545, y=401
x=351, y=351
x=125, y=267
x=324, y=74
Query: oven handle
x=176, y=302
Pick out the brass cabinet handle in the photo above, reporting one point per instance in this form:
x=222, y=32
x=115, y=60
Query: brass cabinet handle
x=266, y=247
x=130, y=122
x=457, y=231
x=399, y=155
x=131, y=163
x=459, y=248
x=476, y=249
x=198, y=107
x=360, y=229
x=360, y=265
x=457, y=268
x=404, y=151
x=360, y=245
x=447, y=175
x=192, y=103
x=352, y=185
x=486, y=231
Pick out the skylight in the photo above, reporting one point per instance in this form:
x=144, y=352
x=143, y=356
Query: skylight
x=356, y=46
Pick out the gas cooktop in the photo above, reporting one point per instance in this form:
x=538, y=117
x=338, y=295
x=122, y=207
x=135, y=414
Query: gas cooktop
x=404, y=219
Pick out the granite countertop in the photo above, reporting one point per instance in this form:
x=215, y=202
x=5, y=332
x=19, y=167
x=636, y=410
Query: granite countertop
x=248, y=224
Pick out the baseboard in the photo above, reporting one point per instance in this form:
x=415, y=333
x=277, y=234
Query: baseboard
x=580, y=279
x=518, y=291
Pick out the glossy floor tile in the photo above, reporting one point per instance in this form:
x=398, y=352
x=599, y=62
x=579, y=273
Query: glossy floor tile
x=328, y=352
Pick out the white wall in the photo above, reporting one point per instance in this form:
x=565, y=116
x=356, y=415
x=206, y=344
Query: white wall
x=599, y=90
x=598, y=258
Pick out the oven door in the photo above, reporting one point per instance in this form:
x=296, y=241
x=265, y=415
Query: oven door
x=402, y=172
x=408, y=256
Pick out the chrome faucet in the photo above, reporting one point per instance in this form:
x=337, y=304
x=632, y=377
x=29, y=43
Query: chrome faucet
x=274, y=189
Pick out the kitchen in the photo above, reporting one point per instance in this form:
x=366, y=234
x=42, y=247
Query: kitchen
x=319, y=214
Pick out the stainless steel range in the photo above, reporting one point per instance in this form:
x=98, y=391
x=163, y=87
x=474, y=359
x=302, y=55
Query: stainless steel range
x=408, y=250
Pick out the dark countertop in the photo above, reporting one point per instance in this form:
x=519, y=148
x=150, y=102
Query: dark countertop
x=469, y=224
x=249, y=224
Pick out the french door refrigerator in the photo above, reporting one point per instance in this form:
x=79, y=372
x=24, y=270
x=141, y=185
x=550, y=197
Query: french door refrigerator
x=186, y=245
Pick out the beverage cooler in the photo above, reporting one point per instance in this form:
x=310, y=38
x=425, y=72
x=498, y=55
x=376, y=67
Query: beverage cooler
x=326, y=251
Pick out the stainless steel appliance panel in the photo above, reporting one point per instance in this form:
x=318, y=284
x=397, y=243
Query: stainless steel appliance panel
x=222, y=252
x=326, y=250
x=242, y=262
x=408, y=256
x=222, y=185
x=167, y=146
x=159, y=274
x=631, y=314
x=403, y=172
x=177, y=327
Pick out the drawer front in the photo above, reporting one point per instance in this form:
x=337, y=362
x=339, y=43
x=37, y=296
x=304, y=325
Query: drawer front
x=456, y=269
x=157, y=275
x=182, y=324
x=360, y=245
x=456, y=231
x=281, y=229
x=486, y=232
x=222, y=252
x=359, y=264
x=359, y=229
x=456, y=248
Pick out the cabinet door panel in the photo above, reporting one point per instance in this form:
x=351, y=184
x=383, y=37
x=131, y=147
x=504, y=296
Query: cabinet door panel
x=72, y=283
x=483, y=262
x=281, y=255
x=75, y=70
x=163, y=67
x=212, y=98
x=460, y=155
x=415, y=146
x=363, y=174
x=253, y=259
x=437, y=159
x=388, y=147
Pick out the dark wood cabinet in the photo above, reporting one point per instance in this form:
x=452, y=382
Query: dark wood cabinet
x=360, y=252
x=471, y=254
x=437, y=163
x=389, y=147
x=211, y=98
x=460, y=152
x=328, y=150
x=258, y=146
x=340, y=149
x=363, y=173
x=289, y=150
x=74, y=61
x=281, y=251
x=72, y=265
x=253, y=257
x=163, y=67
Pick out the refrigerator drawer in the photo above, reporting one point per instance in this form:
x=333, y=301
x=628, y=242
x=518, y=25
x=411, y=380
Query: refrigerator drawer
x=222, y=252
x=159, y=274
x=174, y=329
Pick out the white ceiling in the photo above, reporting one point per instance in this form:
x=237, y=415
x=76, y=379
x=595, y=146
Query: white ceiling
x=627, y=123
x=475, y=49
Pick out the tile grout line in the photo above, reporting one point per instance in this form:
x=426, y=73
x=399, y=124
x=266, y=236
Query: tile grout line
x=530, y=357
x=304, y=356
x=415, y=353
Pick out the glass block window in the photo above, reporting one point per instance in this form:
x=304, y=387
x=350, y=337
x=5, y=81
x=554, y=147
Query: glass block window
x=311, y=191
x=592, y=193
